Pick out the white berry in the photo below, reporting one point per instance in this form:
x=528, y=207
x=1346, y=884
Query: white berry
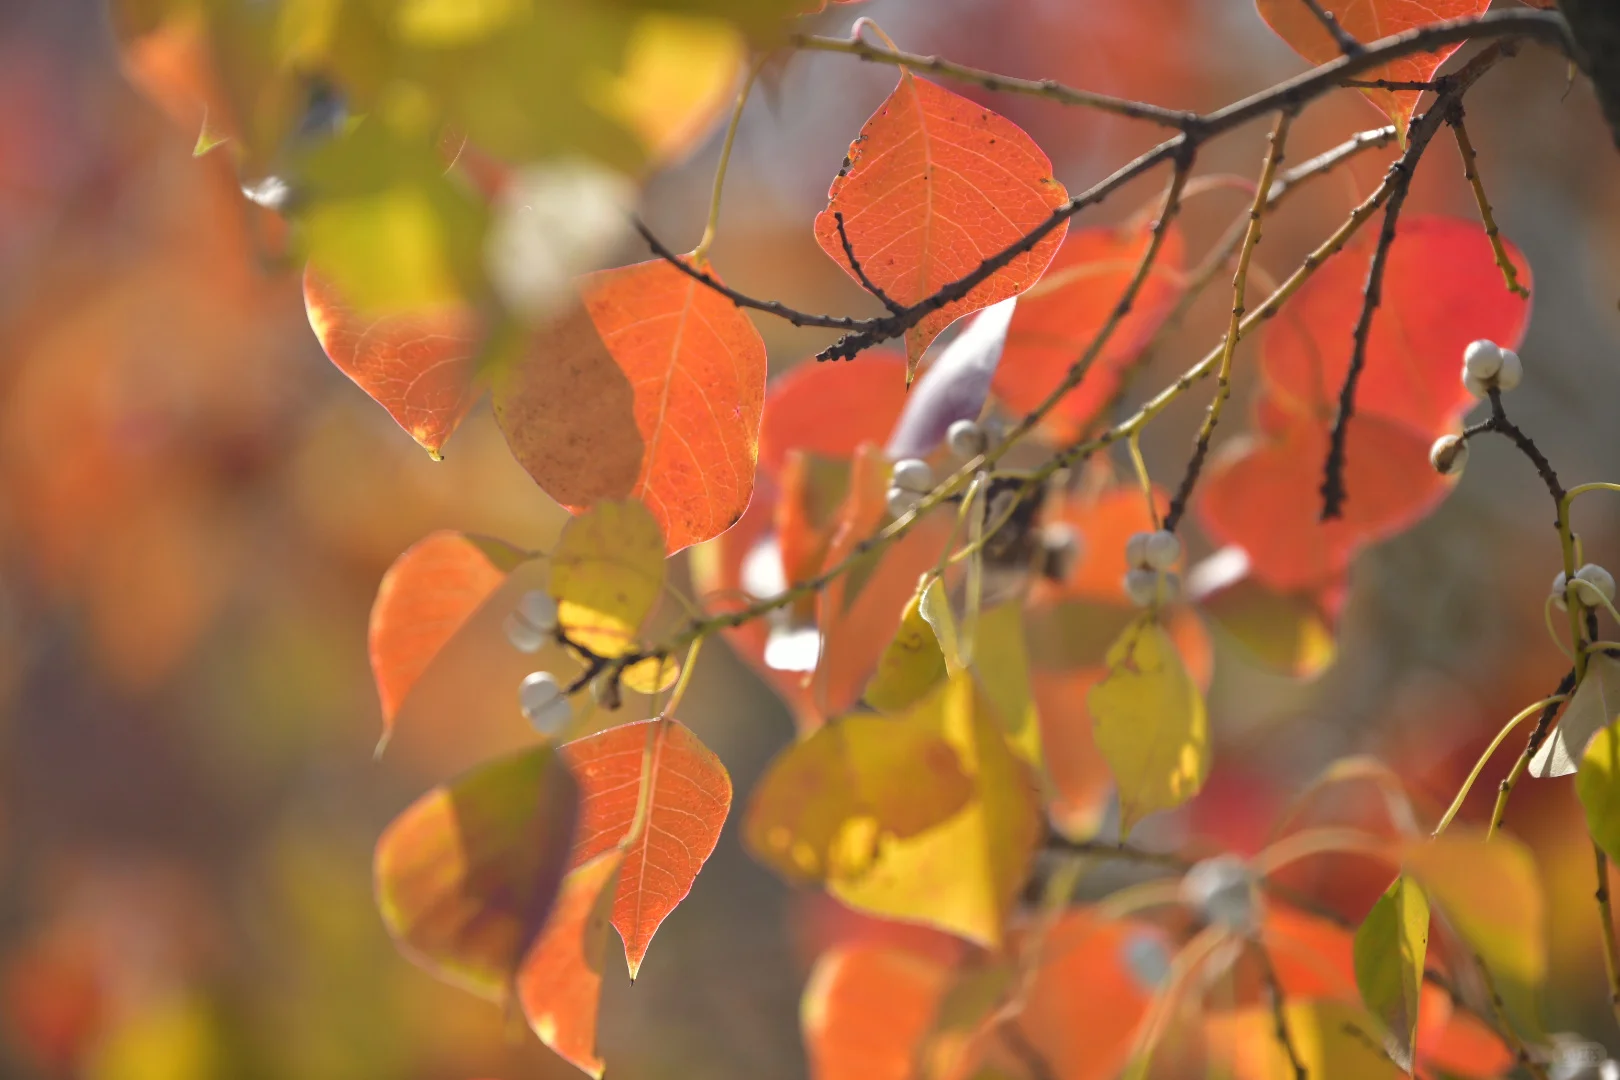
x=543, y=703
x=539, y=609
x=524, y=635
x=1512, y=372
x=1147, y=587
x=1598, y=578
x=1482, y=359
x=966, y=438
x=1136, y=549
x=1163, y=550
x=913, y=474
x=1060, y=550
x=1449, y=455
x=1477, y=387
x=1222, y=890
x=1560, y=587
x=902, y=501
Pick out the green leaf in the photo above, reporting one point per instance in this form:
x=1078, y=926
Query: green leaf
x=1390, y=950
x=1151, y=727
x=606, y=574
x=1595, y=706
x=467, y=874
x=1598, y=785
x=1491, y=892
x=911, y=664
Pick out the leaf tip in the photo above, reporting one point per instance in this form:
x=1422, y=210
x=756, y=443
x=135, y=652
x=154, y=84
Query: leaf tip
x=382, y=744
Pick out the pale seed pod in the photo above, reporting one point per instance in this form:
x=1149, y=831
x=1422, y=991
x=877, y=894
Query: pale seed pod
x=1161, y=550
x=902, y=501
x=539, y=609
x=1449, y=455
x=1512, y=372
x=966, y=438
x=524, y=635
x=1597, y=578
x=1560, y=588
x=543, y=704
x=913, y=474
x=1482, y=359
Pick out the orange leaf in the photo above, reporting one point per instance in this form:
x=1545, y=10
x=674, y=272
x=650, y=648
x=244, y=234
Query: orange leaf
x=933, y=185
x=467, y=874
x=560, y=983
x=424, y=598
x=683, y=371
x=1263, y=496
x=1415, y=344
x=419, y=365
x=831, y=409
x=1058, y=318
x=689, y=795
x=1367, y=21
x=866, y=1009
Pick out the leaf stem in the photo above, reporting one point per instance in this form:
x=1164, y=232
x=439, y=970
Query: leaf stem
x=1468, y=784
x=700, y=254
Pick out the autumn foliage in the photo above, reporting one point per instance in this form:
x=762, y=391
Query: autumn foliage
x=994, y=625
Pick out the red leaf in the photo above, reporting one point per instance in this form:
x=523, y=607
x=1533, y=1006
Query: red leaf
x=673, y=377
x=830, y=409
x=1367, y=21
x=1263, y=495
x=865, y=1010
x=689, y=797
x=424, y=598
x=1442, y=289
x=1057, y=319
x=419, y=365
x=933, y=185
x=467, y=874
x=560, y=983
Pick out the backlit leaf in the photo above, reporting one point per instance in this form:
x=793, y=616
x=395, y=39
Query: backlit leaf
x=1367, y=21
x=831, y=409
x=1001, y=663
x=679, y=75
x=467, y=874
x=1598, y=785
x=1505, y=924
x=695, y=370
x=932, y=186
x=1391, y=947
x=560, y=984
x=423, y=599
x=1287, y=631
x=866, y=1010
x=688, y=797
x=606, y=574
x=419, y=365
x=1059, y=317
x=1415, y=346
x=827, y=805
x=1595, y=706
x=911, y=664
x=963, y=875
x=1150, y=723
x=1335, y=1041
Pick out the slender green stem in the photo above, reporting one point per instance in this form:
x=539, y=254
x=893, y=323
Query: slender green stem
x=1462, y=794
x=700, y=253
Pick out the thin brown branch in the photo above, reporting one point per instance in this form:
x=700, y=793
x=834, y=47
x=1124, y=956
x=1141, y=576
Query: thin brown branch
x=1465, y=147
x=1240, y=286
x=1390, y=84
x=1041, y=88
x=1341, y=37
x=1499, y=423
x=1279, y=1011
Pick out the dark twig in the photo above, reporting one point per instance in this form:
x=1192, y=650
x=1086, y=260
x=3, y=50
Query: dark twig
x=1499, y=423
x=1341, y=37
x=1399, y=181
x=1389, y=84
x=855, y=267
x=1279, y=1011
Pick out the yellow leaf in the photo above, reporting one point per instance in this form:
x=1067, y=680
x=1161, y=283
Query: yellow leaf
x=911, y=664
x=680, y=73
x=1001, y=663
x=1390, y=949
x=651, y=676
x=1335, y=1041
x=1491, y=893
x=606, y=574
x=1598, y=785
x=935, y=608
x=963, y=875
x=1150, y=723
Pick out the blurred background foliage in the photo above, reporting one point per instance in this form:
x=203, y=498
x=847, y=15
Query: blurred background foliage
x=195, y=508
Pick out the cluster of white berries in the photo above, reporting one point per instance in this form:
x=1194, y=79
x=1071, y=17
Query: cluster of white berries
x=1487, y=366
x=1223, y=892
x=911, y=480
x=1591, y=582
x=532, y=623
x=1150, y=556
x=540, y=696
